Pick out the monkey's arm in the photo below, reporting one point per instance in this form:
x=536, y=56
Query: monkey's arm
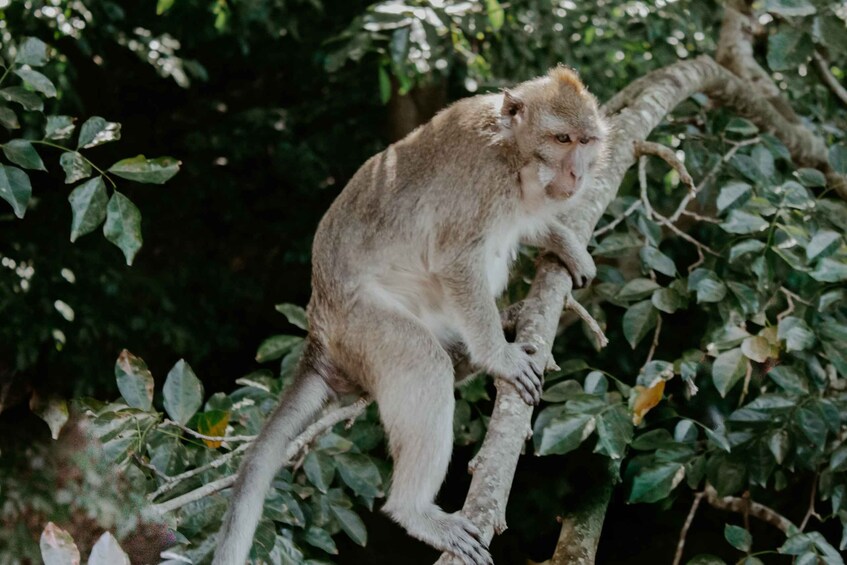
x=562, y=242
x=474, y=304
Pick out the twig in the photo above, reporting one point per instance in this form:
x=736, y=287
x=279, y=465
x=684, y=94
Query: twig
x=174, y=481
x=593, y=325
x=645, y=200
x=811, y=511
x=680, y=546
x=643, y=148
x=789, y=296
x=614, y=223
x=349, y=413
x=137, y=458
x=746, y=389
x=822, y=65
x=198, y=435
x=741, y=505
x=655, y=343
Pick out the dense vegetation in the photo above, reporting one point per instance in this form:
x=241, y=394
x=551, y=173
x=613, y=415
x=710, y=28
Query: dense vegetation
x=724, y=301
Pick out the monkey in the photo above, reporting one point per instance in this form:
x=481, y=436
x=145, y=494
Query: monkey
x=407, y=264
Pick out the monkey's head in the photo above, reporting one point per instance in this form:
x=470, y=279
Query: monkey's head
x=556, y=127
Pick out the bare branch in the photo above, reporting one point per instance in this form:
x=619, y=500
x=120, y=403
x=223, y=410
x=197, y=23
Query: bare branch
x=680, y=546
x=742, y=505
x=198, y=435
x=579, y=310
x=333, y=417
x=822, y=65
x=172, y=482
x=614, y=223
x=667, y=154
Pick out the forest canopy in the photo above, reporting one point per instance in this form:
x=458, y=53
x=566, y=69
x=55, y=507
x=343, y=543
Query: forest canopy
x=163, y=170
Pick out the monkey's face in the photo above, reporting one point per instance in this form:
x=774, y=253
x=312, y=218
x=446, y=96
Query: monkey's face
x=558, y=130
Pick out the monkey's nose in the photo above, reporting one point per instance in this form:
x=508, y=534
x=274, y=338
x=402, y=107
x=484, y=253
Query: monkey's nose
x=584, y=139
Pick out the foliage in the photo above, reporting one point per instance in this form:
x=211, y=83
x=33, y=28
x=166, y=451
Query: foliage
x=725, y=364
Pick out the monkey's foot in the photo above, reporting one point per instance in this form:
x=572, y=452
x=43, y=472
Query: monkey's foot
x=452, y=533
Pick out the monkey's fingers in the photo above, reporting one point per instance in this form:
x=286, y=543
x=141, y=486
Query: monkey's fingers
x=469, y=547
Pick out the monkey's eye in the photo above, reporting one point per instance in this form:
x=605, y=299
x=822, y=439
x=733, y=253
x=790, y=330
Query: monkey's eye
x=563, y=138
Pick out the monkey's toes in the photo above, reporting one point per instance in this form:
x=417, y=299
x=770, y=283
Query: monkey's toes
x=466, y=543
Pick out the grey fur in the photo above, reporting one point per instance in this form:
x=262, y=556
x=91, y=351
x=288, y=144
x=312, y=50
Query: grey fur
x=407, y=264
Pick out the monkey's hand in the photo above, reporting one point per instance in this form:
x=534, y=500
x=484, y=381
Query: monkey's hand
x=516, y=365
x=564, y=244
x=580, y=265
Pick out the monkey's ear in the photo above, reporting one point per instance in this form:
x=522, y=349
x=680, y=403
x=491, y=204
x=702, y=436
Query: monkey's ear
x=513, y=108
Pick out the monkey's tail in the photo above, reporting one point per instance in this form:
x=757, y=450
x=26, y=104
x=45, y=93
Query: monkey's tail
x=298, y=408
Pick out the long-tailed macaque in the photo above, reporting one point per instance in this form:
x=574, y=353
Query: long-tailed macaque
x=407, y=264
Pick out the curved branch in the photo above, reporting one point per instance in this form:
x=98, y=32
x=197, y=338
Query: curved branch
x=822, y=65
x=658, y=93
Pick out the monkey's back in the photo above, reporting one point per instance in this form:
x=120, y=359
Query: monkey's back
x=402, y=213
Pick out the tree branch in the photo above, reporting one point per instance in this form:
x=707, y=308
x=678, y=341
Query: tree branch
x=643, y=109
x=822, y=65
x=349, y=413
x=745, y=505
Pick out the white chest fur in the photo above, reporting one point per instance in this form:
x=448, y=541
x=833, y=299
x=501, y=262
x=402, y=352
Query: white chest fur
x=502, y=247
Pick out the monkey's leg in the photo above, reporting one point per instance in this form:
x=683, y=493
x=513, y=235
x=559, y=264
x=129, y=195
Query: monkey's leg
x=411, y=377
x=563, y=242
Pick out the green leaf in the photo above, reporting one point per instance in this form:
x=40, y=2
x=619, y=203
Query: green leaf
x=8, y=118
x=97, y=131
x=833, y=34
x=31, y=51
x=637, y=289
x=276, y=346
x=562, y=391
x=739, y=538
x=810, y=177
x=788, y=49
x=58, y=547
x=281, y=506
x=658, y=261
x=779, y=444
x=21, y=152
x=37, y=81
x=718, y=438
x=15, y=189
x=596, y=383
x=617, y=244
x=59, y=127
x=163, y=6
x=790, y=8
x=741, y=126
x=685, y=431
x=614, y=431
x=123, y=225
x=320, y=538
x=639, y=319
x=707, y=285
x=734, y=194
x=667, y=300
x=838, y=460
x=838, y=158
x=351, y=524
x=756, y=348
x=320, y=469
x=88, y=206
x=829, y=270
x=745, y=247
x=812, y=425
x=141, y=169
x=183, y=392
x=741, y=222
x=384, y=85
x=75, y=166
x=135, y=382
x=564, y=433
x=496, y=14
x=107, y=551
x=360, y=473
x=729, y=368
x=705, y=559
x=28, y=100
x=796, y=333
x=294, y=314
x=654, y=483
x=748, y=299
x=823, y=244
